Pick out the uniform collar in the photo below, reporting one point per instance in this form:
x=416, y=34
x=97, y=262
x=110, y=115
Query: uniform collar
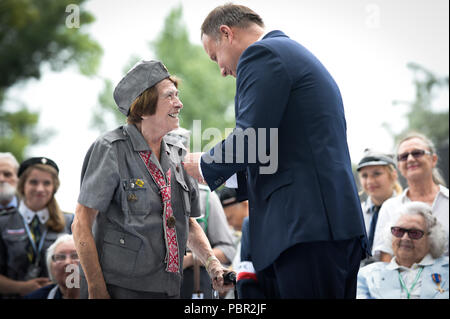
x=444, y=191
x=28, y=214
x=137, y=140
x=426, y=261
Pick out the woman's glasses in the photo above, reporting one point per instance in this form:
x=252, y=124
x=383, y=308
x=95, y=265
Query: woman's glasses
x=416, y=154
x=62, y=257
x=412, y=233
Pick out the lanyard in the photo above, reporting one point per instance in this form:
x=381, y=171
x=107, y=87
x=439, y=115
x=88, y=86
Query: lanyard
x=408, y=292
x=38, y=249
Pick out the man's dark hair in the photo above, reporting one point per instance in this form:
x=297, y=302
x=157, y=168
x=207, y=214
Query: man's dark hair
x=231, y=15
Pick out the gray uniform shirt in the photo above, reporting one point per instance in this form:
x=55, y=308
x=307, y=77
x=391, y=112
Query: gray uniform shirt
x=128, y=230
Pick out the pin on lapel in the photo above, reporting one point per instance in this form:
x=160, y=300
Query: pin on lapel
x=437, y=279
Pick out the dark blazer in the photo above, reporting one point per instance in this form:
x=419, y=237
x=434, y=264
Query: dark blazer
x=312, y=195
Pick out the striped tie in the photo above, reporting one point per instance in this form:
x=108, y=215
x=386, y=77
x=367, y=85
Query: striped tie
x=36, y=234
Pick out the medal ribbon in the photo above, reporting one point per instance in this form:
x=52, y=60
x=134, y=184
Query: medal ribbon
x=408, y=292
x=170, y=234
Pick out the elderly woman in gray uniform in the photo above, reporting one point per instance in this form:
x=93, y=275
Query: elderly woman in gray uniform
x=135, y=210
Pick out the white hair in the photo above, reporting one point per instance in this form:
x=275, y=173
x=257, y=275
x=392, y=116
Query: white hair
x=64, y=238
x=436, y=234
x=9, y=157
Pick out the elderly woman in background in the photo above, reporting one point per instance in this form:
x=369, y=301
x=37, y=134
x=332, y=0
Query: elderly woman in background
x=62, y=266
x=28, y=232
x=379, y=180
x=417, y=159
x=418, y=269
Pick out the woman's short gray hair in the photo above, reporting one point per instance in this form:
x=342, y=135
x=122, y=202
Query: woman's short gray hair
x=436, y=233
x=51, y=250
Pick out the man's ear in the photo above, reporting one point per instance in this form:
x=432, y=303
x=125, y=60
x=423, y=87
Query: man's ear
x=226, y=32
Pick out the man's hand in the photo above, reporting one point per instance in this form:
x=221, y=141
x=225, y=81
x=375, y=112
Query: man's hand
x=191, y=165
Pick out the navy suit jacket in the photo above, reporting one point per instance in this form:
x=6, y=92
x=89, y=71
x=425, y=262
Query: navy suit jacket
x=312, y=196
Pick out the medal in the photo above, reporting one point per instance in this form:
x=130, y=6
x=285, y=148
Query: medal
x=437, y=279
x=132, y=197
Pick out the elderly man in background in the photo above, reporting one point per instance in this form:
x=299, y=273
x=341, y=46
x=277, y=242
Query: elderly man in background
x=8, y=182
x=418, y=270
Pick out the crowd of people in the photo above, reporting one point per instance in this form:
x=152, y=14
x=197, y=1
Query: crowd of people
x=153, y=220
x=409, y=258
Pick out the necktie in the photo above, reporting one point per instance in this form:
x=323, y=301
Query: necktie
x=36, y=234
x=170, y=234
x=373, y=224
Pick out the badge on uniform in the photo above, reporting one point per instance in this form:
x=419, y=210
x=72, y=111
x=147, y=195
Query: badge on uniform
x=139, y=182
x=437, y=279
x=132, y=197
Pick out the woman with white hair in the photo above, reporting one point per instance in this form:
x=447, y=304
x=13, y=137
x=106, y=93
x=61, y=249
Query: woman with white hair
x=418, y=270
x=62, y=265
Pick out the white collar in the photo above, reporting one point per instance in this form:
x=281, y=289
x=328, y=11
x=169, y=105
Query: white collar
x=28, y=214
x=443, y=191
x=426, y=261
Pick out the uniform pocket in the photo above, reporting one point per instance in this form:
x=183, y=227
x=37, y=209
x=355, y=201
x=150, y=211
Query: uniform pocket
x=134, y=192
x=119, y=252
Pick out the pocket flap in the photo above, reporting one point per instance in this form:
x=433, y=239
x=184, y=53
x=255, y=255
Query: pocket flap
x=122, y=240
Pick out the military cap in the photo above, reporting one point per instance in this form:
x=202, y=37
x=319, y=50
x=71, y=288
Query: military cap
x=142, y=76
x=372, y=158
x=36, y=160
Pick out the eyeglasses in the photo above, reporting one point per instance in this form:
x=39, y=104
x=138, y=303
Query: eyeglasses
x=412, y=233
x=416, y=154
x=62, y=257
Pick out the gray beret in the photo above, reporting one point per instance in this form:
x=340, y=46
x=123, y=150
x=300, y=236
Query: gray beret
x=142, y=76
x=372, y=158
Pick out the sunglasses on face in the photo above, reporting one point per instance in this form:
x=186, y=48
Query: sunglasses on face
x=416, y=154
x=412, y=233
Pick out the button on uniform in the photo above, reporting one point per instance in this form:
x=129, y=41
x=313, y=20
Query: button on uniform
x=171, y=222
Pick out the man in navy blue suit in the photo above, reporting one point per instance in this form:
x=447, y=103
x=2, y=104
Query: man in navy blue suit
x=307, y=232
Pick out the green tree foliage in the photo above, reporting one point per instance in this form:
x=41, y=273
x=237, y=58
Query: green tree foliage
x=204, y=93
x=206, y=96
x=421, y=116
x=34, y=32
